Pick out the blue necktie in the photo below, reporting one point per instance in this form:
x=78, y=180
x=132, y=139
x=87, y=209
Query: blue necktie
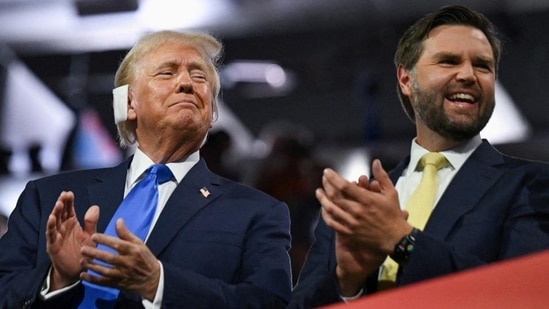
x=137, y=210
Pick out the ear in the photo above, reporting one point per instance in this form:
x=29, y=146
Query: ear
x=132, y=115
x=404, y=81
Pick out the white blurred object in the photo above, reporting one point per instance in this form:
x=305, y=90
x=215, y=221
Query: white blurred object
x=241, y=136
x=32, y=115
x=507, y=124
x=10, y=189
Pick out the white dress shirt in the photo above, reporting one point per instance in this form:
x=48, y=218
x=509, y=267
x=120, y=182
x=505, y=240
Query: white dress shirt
x=410, y=178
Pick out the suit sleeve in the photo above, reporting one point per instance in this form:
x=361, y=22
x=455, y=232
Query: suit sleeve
x=316, y=285
x=24, y=263
x=264, y=280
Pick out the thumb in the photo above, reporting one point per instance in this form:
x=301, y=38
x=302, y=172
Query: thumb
x=381, y=175
x=90, y=220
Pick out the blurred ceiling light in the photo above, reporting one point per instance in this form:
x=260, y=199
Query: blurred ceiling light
x=66, y=30
x=264, y=78
x=253, y=72
x=168, y=14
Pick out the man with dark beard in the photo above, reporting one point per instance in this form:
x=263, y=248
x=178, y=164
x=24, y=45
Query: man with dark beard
x=485, y=206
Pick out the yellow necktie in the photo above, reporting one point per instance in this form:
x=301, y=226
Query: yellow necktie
x=419, y=207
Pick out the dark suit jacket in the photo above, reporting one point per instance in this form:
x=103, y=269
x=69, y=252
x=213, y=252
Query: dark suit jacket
x=226, y=250
x=496, y=208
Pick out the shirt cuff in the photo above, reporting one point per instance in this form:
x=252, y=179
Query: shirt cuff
x=45, y=291
x=157, y=302
x=351, y=298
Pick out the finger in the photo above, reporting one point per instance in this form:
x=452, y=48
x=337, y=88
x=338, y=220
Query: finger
x=51, y=230
x=375, y=186
x=91, y=278
x=364, y=182
x=124, y=233
x=90, y=220
x=337, y=187
x=328, y=187
x=335, y=217
x=67, y=199
x=98, y=265
x=101, y=275
x=113, y=242
x=381, y=176
x=334, y=224
x=57, y=211
x=70, y=204
x=92, y=255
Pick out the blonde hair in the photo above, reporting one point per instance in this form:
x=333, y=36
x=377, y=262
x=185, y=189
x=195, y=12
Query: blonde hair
x=208, y=46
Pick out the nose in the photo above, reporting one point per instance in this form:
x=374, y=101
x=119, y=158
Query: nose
x=466, y=73
x=185, y=84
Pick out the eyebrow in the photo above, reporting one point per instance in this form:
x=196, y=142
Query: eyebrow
x=452, y=56
x=193, y=63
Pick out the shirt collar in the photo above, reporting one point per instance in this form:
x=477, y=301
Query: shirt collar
x=142, y=162
x=455, y=156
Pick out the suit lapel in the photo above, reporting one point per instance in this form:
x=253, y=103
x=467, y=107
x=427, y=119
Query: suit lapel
x=183, y=204
x=463, y=194
x=108, y=192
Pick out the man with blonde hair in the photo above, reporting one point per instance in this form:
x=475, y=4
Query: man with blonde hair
x=208, y=242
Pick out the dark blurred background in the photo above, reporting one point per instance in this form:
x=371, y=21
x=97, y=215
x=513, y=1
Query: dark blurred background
x=306, y=84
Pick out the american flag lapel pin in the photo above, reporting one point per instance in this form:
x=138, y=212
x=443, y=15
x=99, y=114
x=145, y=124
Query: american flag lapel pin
x=204, y=191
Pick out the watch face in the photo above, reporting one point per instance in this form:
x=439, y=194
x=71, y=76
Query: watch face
x=404, y=248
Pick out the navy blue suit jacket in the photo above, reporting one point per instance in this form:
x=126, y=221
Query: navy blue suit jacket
x=496, y=208
x=226, y=250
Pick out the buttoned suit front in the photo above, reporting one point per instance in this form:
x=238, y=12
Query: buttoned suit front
x=495, y=208
x=222, y=247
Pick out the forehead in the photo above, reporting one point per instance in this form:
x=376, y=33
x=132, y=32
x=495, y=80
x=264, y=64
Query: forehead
x=457, y=39
x=173, y=53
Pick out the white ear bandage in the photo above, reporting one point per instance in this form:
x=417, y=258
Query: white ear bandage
x=120, y=103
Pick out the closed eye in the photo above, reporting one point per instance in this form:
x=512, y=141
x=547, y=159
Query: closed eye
x=199, y=76
x=448, y=62
x=485, y=66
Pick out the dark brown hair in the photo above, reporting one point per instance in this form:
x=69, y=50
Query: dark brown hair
x=410, y=46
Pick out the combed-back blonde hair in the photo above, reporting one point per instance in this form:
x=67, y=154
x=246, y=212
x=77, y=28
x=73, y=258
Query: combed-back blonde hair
x=208, y=46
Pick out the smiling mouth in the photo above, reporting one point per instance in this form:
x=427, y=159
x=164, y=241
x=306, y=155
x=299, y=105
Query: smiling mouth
x=461, y=98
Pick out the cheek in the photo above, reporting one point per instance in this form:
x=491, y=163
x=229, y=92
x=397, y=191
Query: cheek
x=208, y=116
x=488, y=85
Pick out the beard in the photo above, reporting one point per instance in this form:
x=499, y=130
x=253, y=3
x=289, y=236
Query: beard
x=429, y=108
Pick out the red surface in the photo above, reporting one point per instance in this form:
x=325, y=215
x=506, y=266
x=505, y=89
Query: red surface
x=518, y=283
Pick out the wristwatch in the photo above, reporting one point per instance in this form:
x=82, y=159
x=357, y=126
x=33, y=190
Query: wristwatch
x=404, y=247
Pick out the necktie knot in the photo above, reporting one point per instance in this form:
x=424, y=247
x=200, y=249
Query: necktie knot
x=435, y=159
x=162, y=172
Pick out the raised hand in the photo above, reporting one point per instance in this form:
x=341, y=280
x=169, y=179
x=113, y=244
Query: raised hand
x=65, y=238
x=367, y=219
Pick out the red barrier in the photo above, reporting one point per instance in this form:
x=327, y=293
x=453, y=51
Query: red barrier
x=518, y=283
